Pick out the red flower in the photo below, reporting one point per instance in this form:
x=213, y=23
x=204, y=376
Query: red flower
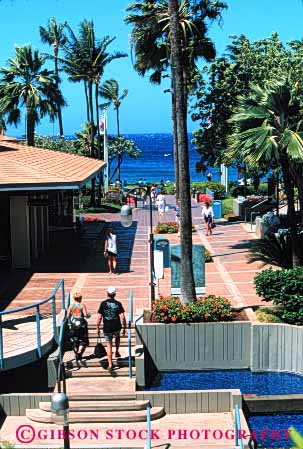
x=206, y=315
x=173, y=318
x=222, y=315
x=166, y=318
x=162, y=314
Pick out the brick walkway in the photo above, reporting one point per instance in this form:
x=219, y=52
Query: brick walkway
x=230, y=275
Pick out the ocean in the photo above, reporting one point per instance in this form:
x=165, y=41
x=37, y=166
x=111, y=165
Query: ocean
x=156, y=161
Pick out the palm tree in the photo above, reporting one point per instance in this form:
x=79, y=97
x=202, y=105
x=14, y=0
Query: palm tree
x=150, y=40
x=188, y=292
x=25, y=83
x=54, y=35
x=268, y=132
x=110, y=91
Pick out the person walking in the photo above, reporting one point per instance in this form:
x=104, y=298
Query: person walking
x=111, y=250
x=208, y=215
x=161, y=204
x=111, y=312
x=76, y=317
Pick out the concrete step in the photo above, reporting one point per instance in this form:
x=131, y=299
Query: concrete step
x=42, y=416
x=92, y=333
x=123, y=342
x=101, y=372
x=100, y=406
x=89, y=354
x=102, y=397
x=97, y=363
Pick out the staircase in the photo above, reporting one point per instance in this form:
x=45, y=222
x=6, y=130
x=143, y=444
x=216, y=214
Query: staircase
x=115, y=398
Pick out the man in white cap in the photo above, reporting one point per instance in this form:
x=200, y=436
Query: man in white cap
x=112, y=312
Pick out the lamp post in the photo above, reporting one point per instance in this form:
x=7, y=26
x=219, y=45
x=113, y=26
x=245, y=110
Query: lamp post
x=60, y=412
x=126, y=221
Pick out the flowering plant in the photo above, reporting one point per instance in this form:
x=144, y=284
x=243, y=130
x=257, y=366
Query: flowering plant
x=206, y=309
x=91, y=219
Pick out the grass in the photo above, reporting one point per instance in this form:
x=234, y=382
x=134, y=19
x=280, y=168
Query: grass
x=227, y=206
x=105, y=208
x=267, y=315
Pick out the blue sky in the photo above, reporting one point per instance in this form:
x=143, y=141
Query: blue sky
x=147, y=108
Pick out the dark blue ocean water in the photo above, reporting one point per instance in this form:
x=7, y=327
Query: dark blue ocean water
x=156, y=162
x=271, y=431
x=153, y=165
x=247, y=381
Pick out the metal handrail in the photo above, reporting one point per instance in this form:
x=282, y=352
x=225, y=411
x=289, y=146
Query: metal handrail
x=129, y=332
x=40, y=303
x=238, y=433
x=61, y=368
x=148, y=420
x=52, y=297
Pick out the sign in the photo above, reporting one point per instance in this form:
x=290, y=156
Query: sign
x=198, y=268
x=158, y=264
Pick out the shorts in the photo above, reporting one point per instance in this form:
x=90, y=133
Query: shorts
x=109, y=336
x=208, y=219
x=110, y=254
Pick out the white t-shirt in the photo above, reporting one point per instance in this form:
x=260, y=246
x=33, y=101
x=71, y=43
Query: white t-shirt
x=207, y=212
x=112, y=244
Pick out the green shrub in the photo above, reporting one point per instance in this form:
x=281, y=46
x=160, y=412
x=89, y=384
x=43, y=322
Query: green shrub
x=169, y=227
x=283, y=288
x=241, y=191
x=276, y=249
x=216, y=187
x=205, y=309
x=227, y=206
x=168, y=189
x=263, y=189
x=208, y=256
x=267, y=316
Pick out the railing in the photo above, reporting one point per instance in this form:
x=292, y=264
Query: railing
x=254, y=214
x=148, y=420
x=129, y=332
x=61, y=369
x=36, y=307
x=238, y=433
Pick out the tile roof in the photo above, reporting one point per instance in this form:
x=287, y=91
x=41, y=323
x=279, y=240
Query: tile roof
x=25, y=167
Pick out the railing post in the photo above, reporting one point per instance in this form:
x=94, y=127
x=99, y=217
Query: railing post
x=236, y=428
x=67, y=302
x=38, y=331
x=129, y=332
x=1, y=345
x=148, y=442
x=62, y=294
x=55, y=335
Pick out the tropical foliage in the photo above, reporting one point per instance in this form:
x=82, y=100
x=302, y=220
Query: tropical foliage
x=26, y=83
x=283, y=288
x=210, y=308
x=54, y=35
x=118, y=148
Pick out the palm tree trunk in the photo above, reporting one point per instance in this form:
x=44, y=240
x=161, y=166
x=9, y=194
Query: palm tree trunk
x=118, y=134
x=188, y=292
x=86, y=99
x=291, y=215
x=30, y=126
x=175, y=140
x=92, y=144
x=118, y=122
x=58, y=105
x=99, y=192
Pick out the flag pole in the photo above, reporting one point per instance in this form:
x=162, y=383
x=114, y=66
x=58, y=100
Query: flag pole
x=106, y=177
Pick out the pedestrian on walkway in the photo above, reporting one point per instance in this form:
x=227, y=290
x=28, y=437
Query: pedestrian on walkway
x=111, y=250
x=161, y=204
x=112, y=312
x=78, y=330
x=208, y=215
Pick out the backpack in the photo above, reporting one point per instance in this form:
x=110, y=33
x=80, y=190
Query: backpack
x=76, y=321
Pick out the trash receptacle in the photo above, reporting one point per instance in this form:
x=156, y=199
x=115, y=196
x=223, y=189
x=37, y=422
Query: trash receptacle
x=217, y=208
x=162, y=244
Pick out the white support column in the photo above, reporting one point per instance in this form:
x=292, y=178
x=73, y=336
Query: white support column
x=20, y=232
